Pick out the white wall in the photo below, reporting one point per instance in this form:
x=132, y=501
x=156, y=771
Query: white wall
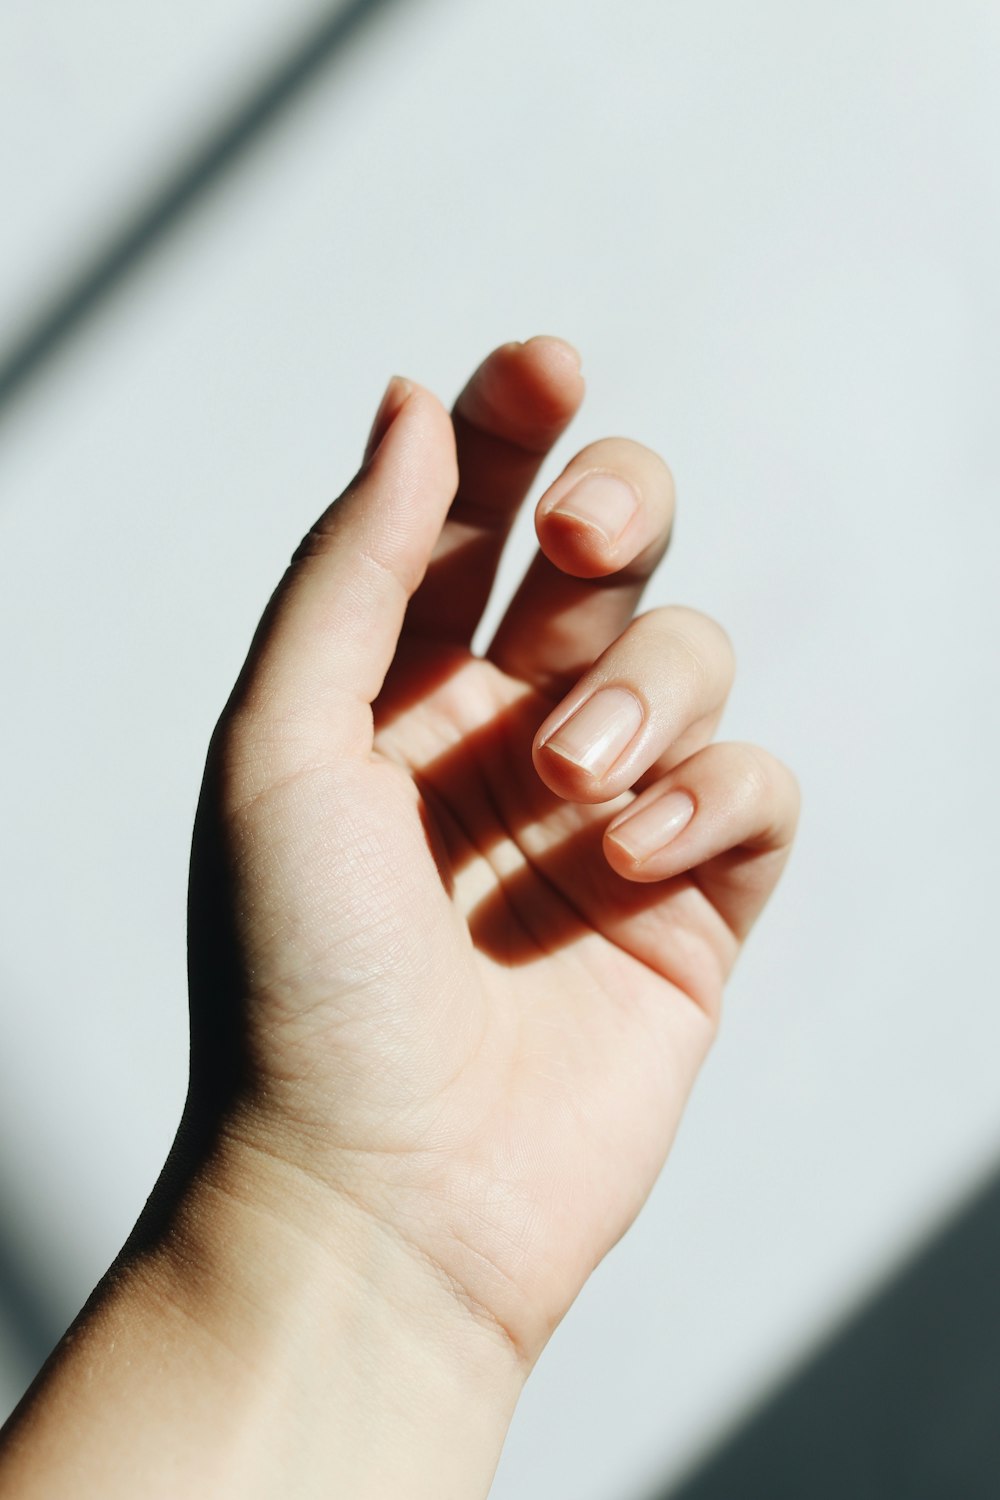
x=773, y=232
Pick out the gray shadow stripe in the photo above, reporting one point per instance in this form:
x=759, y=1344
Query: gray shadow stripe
x=166, y=208
x=903, y=1404
x=31, y=1323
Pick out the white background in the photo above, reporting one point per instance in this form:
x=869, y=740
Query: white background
x=773, y=231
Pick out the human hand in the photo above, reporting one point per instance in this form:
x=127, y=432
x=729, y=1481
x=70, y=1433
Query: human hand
x=445, y=967
x=451, y=979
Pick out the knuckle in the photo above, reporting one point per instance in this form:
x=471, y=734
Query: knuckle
x=695, y=635
x=793, y=792
x=664, y=476
x=772, y=787
x=702, y=630
x=256, y=746
x=311, y=545
x=315, y=543
x=756, y=773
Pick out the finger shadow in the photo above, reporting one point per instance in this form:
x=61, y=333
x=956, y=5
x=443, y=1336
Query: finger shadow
x=560, y=894
x=529, y=915
x=431, y=651
x=434, y=637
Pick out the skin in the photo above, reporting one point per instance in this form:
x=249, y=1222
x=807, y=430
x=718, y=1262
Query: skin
x=444, y=1022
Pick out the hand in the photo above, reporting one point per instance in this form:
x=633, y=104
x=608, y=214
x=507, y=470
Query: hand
x=444, y=962
x=451, y=979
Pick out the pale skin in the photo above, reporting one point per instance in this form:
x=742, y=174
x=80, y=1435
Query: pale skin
x=460, y=928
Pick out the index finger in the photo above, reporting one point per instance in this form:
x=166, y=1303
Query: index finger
x=511, y=411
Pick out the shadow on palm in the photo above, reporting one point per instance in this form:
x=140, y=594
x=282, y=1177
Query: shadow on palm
x=483, y=800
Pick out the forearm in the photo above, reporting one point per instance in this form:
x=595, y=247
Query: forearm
x=250, y=1353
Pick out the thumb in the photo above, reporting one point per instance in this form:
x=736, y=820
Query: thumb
x=329, y=633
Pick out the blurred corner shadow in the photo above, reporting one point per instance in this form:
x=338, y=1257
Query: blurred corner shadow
x=72, y=305
x=902, y=1404
x=29, y=1310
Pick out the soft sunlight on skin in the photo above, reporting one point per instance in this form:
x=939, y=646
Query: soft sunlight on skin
x=451, y=977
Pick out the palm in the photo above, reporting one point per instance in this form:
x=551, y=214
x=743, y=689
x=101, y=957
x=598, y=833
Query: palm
x=522, y=1084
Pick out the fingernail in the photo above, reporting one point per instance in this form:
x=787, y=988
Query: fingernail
x=594, y=737
x=602, y=501
x=396, y=393
x=651, y=828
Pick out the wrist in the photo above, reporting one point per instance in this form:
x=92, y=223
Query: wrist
x=321, y=1319
x=269, y=1338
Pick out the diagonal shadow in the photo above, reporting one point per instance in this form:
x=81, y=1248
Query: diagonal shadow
x=27, y=1306
x=167, y=206
x=902, y=1404
x=32, y=1308
x=29, y=1311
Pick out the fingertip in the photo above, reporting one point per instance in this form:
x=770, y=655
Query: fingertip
x=586, y=542
x=564, y=777
x=581, y=748
x=393, y=398
x=636, y=841
x=525, y=393
x=625, y=863
x=417, y=434
x=594, y=528
x=556, y=352
x=610, y=509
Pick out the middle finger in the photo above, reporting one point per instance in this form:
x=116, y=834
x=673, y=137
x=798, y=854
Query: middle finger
x=651, y=700
x=603, y=526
